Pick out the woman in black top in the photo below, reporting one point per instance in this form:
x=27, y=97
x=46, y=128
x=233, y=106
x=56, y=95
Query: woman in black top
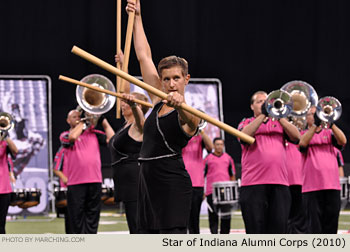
x=165, y=186
x=125, y=147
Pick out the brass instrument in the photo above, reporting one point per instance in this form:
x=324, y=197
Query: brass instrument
x=278, y=104
x=6, y=124
x=329, y=110
x=94, y=102
x=303, y=95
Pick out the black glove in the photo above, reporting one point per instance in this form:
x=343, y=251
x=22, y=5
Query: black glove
x=317, y=120
x=3, y=134
x=263, y=109
x=330, y=124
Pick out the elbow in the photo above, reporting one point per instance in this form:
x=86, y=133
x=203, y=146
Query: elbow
x=15, y=152
x=72, y=139
x=342, y=142
x=296, y=139
x=209, y=148
x=302, y=145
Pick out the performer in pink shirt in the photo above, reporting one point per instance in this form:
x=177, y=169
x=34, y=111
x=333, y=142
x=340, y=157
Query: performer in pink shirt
x=6, y=178
x=84, y=178
x=296, y=219
x=60, y=171
x=321, y=187
x=219, y=167
x=192, y=155
x=264, y=194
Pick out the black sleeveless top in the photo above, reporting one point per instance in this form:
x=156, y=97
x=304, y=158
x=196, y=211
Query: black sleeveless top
x=123, y=147
x=162, y=136
x=124, y=153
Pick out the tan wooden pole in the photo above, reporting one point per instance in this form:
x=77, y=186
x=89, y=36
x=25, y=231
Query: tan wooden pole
x=106, y=91
x=89, y=57
x=127, y=46
x=119, y=48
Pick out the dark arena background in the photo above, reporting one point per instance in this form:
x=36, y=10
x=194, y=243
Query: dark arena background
x=249, y=45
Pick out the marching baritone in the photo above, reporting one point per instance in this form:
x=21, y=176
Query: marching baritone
x=321, y=186
x=294, y=163
x=264, y=194
x=84, y=177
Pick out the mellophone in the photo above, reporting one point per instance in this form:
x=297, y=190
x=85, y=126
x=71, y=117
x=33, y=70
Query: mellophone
x=25, y=197
x=107, y=196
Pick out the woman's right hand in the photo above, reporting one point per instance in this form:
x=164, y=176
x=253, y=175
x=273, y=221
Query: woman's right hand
x=129, y=99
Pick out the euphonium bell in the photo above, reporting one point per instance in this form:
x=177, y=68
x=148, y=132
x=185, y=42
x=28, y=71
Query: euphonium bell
x=303, y=95
x=94, y=102
x=328, y=109
x=279, y=104
x=6, y=124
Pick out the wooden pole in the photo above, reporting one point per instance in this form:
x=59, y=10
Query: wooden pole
x=89, y=57
x=127, y=46
x=119, y=48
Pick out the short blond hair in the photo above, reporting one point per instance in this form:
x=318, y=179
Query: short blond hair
x=172, y=61
x=142, y=97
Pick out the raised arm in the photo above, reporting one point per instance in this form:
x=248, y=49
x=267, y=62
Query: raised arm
x=306, y=138
x=208, y=143
x=339, y=135
x=12, y=147
x=291, y=130
x=107, y=129
x=143, y=50
x=137, y=112
x=76, y=132
x=252, y=127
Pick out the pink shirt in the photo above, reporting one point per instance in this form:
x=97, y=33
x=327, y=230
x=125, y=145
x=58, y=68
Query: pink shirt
x=82, y=159
x=218, y=168
x=5, y=184
x=192, y=155
x=294, y=164
x=58, y=164
x=263, y=162
x=320, y=163
x=340, y=158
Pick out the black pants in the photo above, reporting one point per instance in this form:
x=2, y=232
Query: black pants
x=84, y=205
x=265, y=208
x=297, y=216
x=4, y=206
x=225, y=221
x=323, y=209
x=130, y=212
x=197, y=198
x=63, y=211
